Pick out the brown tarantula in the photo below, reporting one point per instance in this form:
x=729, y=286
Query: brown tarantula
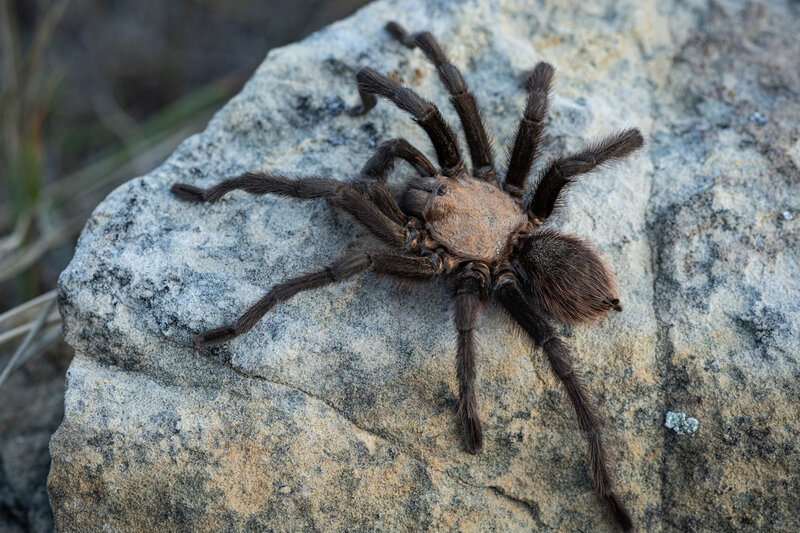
x=471, y=227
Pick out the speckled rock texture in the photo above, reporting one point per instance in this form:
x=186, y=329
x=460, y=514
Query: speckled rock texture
x=337, y=412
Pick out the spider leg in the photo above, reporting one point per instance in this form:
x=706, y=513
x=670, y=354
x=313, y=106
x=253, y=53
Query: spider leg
x=373, y=175
x=260, y=182
x=381, y=163
x=460, y=96
x=349, y=197
x=424, y=112
x=371, y=216
x=368, y=101
x=507, y=290
x=529, y=131
x=380, y=262
x=468, y=298
x=559, y=172
x=382, y=198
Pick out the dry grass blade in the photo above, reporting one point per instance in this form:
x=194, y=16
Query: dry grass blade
x=41, y=38
x=25, y=328
x=28, y=255
x=23, y=309
x=9, y=40
x=40, y=322
x=48, y=336
x=17, y=237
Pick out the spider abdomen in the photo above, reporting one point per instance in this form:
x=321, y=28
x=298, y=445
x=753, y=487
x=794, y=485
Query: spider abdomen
x=473, y=218
x=569, y=277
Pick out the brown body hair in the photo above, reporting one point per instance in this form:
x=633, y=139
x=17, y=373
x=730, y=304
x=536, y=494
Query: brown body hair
x=569, y=277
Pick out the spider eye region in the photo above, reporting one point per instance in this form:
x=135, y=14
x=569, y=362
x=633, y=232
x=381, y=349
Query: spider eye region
x=473, y=218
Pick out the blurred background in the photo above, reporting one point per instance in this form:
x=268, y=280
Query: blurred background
x=92, y=94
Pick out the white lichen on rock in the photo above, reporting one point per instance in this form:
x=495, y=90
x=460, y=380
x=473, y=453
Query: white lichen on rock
x=681, y=424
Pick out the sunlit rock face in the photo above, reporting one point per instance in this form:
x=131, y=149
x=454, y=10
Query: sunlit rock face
x=337, y=411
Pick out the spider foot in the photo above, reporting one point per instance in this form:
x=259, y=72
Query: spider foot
x=214, y=336
x=399, y=33
x=184, y=191
x=615, y=305
x=473, y=436
x=617, y=510
x=358, y=110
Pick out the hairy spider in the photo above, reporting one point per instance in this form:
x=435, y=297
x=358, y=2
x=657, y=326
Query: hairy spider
x=472, y=228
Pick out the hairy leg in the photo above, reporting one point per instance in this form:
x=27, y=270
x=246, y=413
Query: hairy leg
x=261, y=182
x=424, y=112
x=561, y=171
x=382, y=198
x=382, y=162
x=368, y=101
x=387, y=263
x=508, y=291
x=354, y=198
x=526, y=141
x=373, y=175
x=462, y=99
x=467, y=302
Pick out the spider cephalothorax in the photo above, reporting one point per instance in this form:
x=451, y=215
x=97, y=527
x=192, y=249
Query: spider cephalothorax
x=473, y=229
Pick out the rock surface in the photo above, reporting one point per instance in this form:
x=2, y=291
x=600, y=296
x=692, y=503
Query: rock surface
x=337, y=411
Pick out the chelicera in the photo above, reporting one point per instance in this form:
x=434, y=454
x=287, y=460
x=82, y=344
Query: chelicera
x=472, y=228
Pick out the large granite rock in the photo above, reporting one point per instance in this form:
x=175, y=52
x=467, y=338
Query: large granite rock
x=337, y=411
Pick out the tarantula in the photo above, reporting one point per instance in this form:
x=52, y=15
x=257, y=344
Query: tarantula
x=473, y=228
